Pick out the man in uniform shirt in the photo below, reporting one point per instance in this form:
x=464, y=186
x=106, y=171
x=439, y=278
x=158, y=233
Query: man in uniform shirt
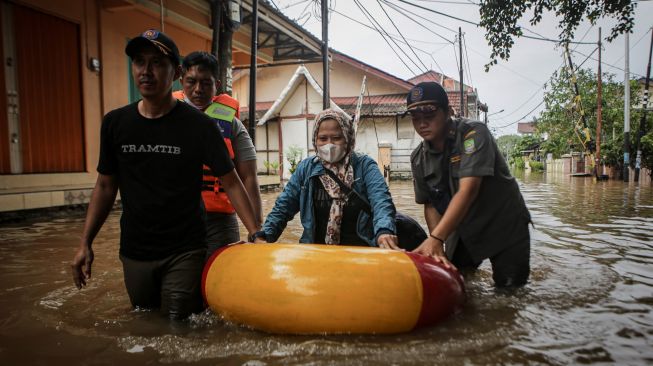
x=470, y=200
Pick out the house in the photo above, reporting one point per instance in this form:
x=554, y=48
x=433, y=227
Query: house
x=526, y=128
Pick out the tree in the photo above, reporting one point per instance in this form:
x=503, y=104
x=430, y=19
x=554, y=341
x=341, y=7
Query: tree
x=559, y=117
x=500, y=17
x=507, y=143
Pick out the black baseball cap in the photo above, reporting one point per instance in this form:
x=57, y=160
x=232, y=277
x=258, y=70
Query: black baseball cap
x=426, y=93
x=159, y=40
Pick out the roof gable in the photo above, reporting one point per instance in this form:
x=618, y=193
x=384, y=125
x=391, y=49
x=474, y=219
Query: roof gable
x=300, y=74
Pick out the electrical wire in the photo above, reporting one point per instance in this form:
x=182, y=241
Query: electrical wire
x=631, y=47
x=540, y=37
x=393, y=41
x=607, y=64
x=392, y=35
x=402, y=11
x=383, y=36
x=402, y=36
x=469, y=66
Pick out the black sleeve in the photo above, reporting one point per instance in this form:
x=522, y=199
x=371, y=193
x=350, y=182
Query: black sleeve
x=216, y=155
x=107, y=163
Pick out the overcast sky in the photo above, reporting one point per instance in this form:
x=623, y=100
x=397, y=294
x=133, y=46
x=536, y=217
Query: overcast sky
x=514, y=87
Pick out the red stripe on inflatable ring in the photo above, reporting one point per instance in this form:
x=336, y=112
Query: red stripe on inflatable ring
x=443, y=290
x=207, y=266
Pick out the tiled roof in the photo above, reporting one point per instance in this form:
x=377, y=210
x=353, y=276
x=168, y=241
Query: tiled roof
x=377, y=105
x=447, y=82
x=526, y=127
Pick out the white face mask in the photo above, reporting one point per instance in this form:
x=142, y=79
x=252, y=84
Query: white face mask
x=188, y=101
x=331, y=153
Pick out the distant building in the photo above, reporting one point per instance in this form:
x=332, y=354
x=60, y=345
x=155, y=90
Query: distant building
x=526, y=128
x=472, y=104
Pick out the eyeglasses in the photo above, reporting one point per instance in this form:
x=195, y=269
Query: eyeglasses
x=423, y=114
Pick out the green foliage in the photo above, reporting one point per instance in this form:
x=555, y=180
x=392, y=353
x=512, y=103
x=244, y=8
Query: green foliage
x=560, y=120
x=273, y=166
x=528, y=142
x=536, y=166
x=294, y=156
x=500, y=18
x=647, y=151
x=507, y=143
x=518, y=162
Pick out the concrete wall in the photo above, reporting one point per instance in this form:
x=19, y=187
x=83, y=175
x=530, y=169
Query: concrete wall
x=345, y=81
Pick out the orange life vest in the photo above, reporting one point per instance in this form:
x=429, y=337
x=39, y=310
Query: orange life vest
x=223, y=109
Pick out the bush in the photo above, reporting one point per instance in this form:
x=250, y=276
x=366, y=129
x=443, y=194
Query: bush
x=536, y=165
x=294, y=156
x=518, y=162
x=273, y=166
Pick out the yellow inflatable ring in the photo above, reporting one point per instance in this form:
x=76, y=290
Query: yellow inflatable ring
x=309, y=289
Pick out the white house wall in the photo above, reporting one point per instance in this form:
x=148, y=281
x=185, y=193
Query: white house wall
x=345, y=81
x=267, y=145
x=402, y=138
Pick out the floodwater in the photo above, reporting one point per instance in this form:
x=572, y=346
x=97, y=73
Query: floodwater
x=589, y=300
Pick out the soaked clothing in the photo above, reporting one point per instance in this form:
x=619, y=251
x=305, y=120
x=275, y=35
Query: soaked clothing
x=498, y=218
x=322, y=205
x=171, y=284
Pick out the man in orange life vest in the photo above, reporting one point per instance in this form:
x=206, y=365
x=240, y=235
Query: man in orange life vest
x=200, y=84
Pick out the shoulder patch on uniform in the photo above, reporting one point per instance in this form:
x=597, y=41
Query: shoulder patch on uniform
x=469, y=146
x=472, y=132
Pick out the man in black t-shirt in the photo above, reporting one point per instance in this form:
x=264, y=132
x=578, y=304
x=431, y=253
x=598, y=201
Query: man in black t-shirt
x=153, y=151
x=470, y=200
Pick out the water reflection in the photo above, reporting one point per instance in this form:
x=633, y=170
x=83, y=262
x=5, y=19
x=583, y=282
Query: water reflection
x=589, y=299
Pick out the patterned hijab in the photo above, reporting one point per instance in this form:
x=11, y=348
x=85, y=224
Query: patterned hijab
x=342, y=169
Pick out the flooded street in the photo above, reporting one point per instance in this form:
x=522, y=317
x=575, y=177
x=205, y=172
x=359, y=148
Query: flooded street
x=589, y=300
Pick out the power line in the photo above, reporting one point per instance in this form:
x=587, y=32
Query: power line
x=391, y=35
x=430, y=54
x=402, y=36
x=437, y=12
x=393, y=41
x=401, y=11
x=607, y=64
x=521, y=119
x=450, y=2
x=469, y=66
x=540, y=38
x=382, y=36
x=631, y=47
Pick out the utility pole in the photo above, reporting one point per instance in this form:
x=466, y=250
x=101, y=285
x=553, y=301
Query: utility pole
x=462, y=94
x=216, y=24
x=252, y=72
x=626, y=170
x=642, y=122
x=326, y=99
x=223, y=29
x=599, y=111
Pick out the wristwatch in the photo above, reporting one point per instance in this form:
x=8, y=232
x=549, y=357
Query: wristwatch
x=258, y=234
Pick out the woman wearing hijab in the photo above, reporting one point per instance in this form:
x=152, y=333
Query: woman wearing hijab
x=340, y=194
